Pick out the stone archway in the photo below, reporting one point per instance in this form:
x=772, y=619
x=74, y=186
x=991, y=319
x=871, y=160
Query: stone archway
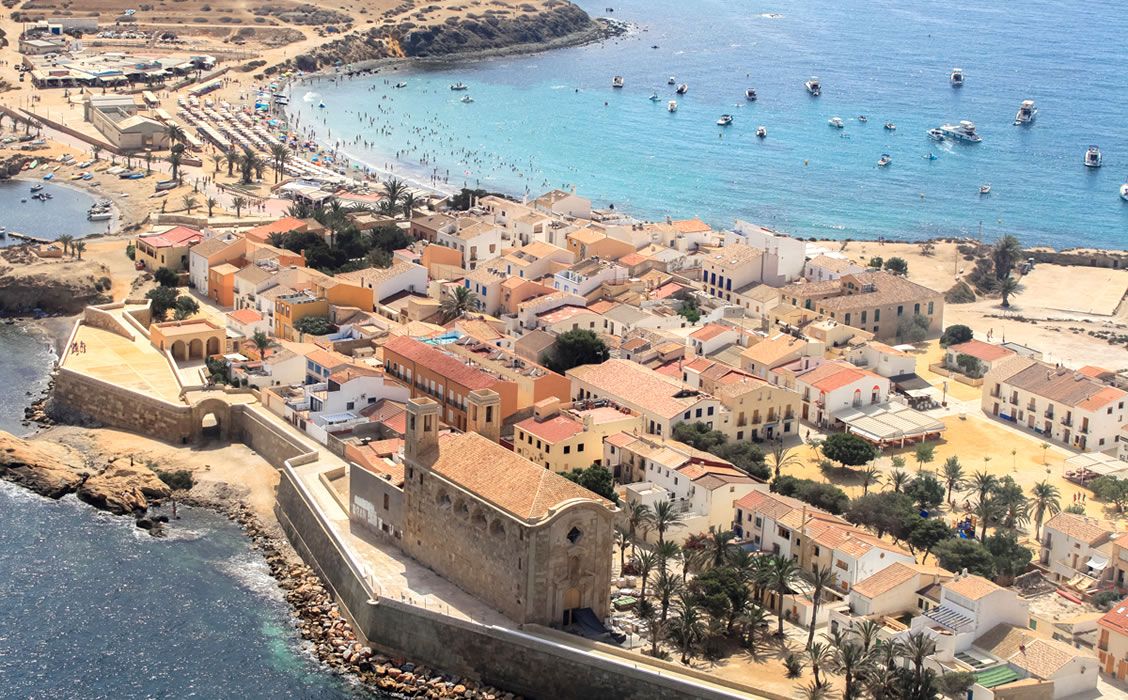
x=179, y=351
x=195, y=349
x=213, y=346
x=211, y=420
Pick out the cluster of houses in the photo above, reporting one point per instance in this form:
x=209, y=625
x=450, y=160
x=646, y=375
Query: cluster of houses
x=752, y=334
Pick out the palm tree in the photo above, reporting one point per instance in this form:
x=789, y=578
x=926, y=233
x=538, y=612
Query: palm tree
x=654, y=626
x=1013, y=507
x=666, y=552
x=175, y=134
x=1045, y=446
x=820, y=655
x=408, y=203
x=231, y=157
x=751, y=620
x=218, y=159
x=898, y=480
x=983, y=485
x=666, y=517
x=459, y=301
x=394, y=189
x=852, y=660
x=870, y=476
x=645, y=561
x=96, y=151
x=821, y=578
x=918, y=646
x=666, y=586
x=279, y=154
x=721, y=547
x=1005, y=254
x=263, y=342
x=211, y=203
x=1009, y=287
x=686, y=627
x=814, y=691
x=1045, y=499
x=781, y=576
x=78, y=247
x=638, y=514
x=239, y=203
x=174, y=159
x=148, y=162
x=953, y=475
x=782, y=457
x=189, y=202
x=65, y=239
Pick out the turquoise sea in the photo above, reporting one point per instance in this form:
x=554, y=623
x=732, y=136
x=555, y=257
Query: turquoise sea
x=64, y=213
x=552, y=119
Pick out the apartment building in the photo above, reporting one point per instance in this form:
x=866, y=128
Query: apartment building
x=563, y=437
x=1074, y=546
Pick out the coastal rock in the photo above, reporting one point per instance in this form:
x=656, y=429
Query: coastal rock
x=64, y=287
x=47, y=469
x=123, y=489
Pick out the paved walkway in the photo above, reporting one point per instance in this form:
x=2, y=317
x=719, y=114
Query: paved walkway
x=132, y=364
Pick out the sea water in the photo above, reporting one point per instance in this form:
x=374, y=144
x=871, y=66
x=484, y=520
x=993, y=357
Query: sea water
x=64, y=213
x=553, y=120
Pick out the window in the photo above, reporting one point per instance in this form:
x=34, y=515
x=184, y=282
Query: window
x=916, y=308
x=876, y=317
x=697, y=413
x=930, y=305
x=567, y=449
x=759, y=521
x=580, y=447
x=900, y=311
x=386, y=500
x=574, y=535
x=710, y=412
x=350, y=405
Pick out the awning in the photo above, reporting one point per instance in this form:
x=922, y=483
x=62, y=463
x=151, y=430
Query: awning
x=1097, y=562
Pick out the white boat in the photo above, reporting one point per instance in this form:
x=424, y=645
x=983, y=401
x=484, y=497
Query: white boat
x=459, y=86
x=936, y=134
x=1124, y=191
x=682, y=89
x=964, y=131
x=836, y=122
x=1093, y=157
x=985, y=188
x=761, y=132
x=672, y=106
x=750, y=94
x=400, y=85
x=725, y=120
x=890, y=126
x=863, y=118
x=36, y=188
x=884, y=160
x=671, y=80
x=957, y=77
x=654, y=97
x=466, y=99
x=1026, y=113
x=100, y=216
x=813, y=86
x=617, y=81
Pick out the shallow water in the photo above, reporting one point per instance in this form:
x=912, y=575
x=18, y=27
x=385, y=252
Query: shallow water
x=28, y=359
x=64, y=213
x=553, y=120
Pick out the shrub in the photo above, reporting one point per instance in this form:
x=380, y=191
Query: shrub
x=956, y=334
x=959, y=293
x=178, y=480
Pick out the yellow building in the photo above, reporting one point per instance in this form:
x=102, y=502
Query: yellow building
x=563, y=440
x=194, y=339
x=168, y=249
x=758, y=410
x=291, y=308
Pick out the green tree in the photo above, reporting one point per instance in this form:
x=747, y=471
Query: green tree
x=983, y=486
x=897, y=266
x=175, y=134
x=870, y=476
x=1005, y=254
x=211, y=203
x=926, y=490
x=666, y=517
x=394, y=189
x=686, y=627
x=1112, y=490
x=780, y=576
x=955, y=335
x=174, y=160
x=644, y=563
x=913, y=329
x=639, y=516
x=848, y=449
x=956, y=555
x=876, y=263
x=926, y=534
x=314, y=325
x=161, y=300
x=77, y=248
x=954, y=685
x=1011, y=503
x=218, y=159
x=1044, y=498
x=666, y=586
x=65, y=239
x=898, y=480
x=953, y=476
x=1009, y=556
x=924, y=454
x=166, y=277
x=189, y=202
x=819, y=655
x=887, y=512
x=262, y=342
x=408, y=202
x=577, y=347
x=596, y=479
x=721, y=547
x=185, y=307
x=239, y=204
x=853, y=660
x=782, y=457
x=457, y=302
x=1009, y=287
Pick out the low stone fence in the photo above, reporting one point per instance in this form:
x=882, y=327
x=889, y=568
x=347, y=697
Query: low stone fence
x=100, y=317
x=943, y=371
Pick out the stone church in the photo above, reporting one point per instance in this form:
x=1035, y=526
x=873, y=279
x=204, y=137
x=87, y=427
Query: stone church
x=529, y=542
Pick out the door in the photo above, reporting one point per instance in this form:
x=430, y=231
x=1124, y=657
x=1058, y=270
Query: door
x=571, y=602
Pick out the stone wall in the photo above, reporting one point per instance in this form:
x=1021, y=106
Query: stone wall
x=80, y=398
x=262, y=436
x=518, y=662
x=96, y=317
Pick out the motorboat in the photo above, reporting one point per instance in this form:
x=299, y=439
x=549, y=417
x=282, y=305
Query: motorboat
x=36, y=188
x=1026, y=113
x=617, y=81
x=88, y=176
x=890, y=126
x=321, y=105
x=863, y=118
x=957, y=77
x=671, y=80
x=964, y=131
x=466, y=99
x=884, y=160
x=750, y=94
x=1124, y=191
x=49, y=176
x=1093, y=157
x=813, y=86
x=936, y=134
x=459, y=86
x=682, y=89
x=100, y=216
x=761, y=132
x=725, y=120
x=672, y=106
x=654, y=97
x=400, y=85
x=836, y=122
x=985, y=188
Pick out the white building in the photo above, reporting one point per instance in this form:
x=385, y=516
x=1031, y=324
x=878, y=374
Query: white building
x=1075, y=545
x=834, y=387
x=786, y=256
x=822, y=268
x=335, y=404
x=881, y=359
x=561, y=203
x=712, y=337
x=478, y=241
x=586, y=276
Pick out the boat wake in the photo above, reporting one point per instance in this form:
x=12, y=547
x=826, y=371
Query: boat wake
x=252, y=573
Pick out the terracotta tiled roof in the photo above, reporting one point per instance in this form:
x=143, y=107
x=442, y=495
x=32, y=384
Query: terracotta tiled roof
x=710, y=331
x=691, y=226
x=860, y=291
x=1039, y=657
x=775, y=350
x=504, y=479
x=553, y=430
x=440, y=363
x=1058, y=384
x=885, y=580
x=328, y=359
x=245, y=316
x=987, y=352
x=1091, y=531
x=174, y=237
x=833, y=264
x=1117, y=618
x=971, y=587
x=632, y=383
x=351, y=372
x=834, y=375
x=667, y=290
x=284, y=225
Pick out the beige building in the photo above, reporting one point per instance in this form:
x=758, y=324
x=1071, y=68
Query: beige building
x=758, y=410
x=195, y=339
x=118, y=118
x=872, y=301
x=563, y=439
x=522, y=538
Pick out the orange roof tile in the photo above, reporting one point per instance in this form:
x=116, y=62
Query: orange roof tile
x=691, y=226
x=972, y=587
x=987, y=352
x=440, y=363
x=174, y=237
x=245, y=316
x=284, y=225
x=710, y=331
x=552, y=430
x=1117, y=618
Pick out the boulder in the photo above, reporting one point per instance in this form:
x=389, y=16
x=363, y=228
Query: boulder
x=123, y=489
x=49, y=469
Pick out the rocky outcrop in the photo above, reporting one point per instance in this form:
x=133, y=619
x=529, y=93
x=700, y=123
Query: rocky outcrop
x=11, y=166
x=123, y=489
x=27, y=283
x=49, y=470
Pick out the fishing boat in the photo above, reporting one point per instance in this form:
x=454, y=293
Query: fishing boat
x=1093, y=157
x=884, y=160
x=890, y=126
x=682, y=89
x=836, y=122
x=458, y=86
x=725, y=120
x=167, y=185
x=985, y=188
x=957, y=77
x=813, y=86
x=1026, y=113
x=36, y=188
x=671, y=80
x=672, y=106
x=617, y=81
x=466, y=99
x=964, y=131
x=761, y=132
x=750, y=94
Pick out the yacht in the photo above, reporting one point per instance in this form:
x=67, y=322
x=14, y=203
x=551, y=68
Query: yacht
x=1026, y=113
x=617, y=81
x=985, y=188
x=761, y=132
x=672, y=106
x=936, y=134
x=682, y=89
x=890, y=126
x=671, y=80
x=750, y=94
x=458, y=86
x=884, y=160
x=957, y=77
x=725, y=120
x=466, y=99
x=964, y=131
x=836, y=122
x=813, y=86
x=1093, y=157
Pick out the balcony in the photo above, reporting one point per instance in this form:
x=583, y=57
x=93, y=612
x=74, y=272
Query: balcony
x=1067, y=421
